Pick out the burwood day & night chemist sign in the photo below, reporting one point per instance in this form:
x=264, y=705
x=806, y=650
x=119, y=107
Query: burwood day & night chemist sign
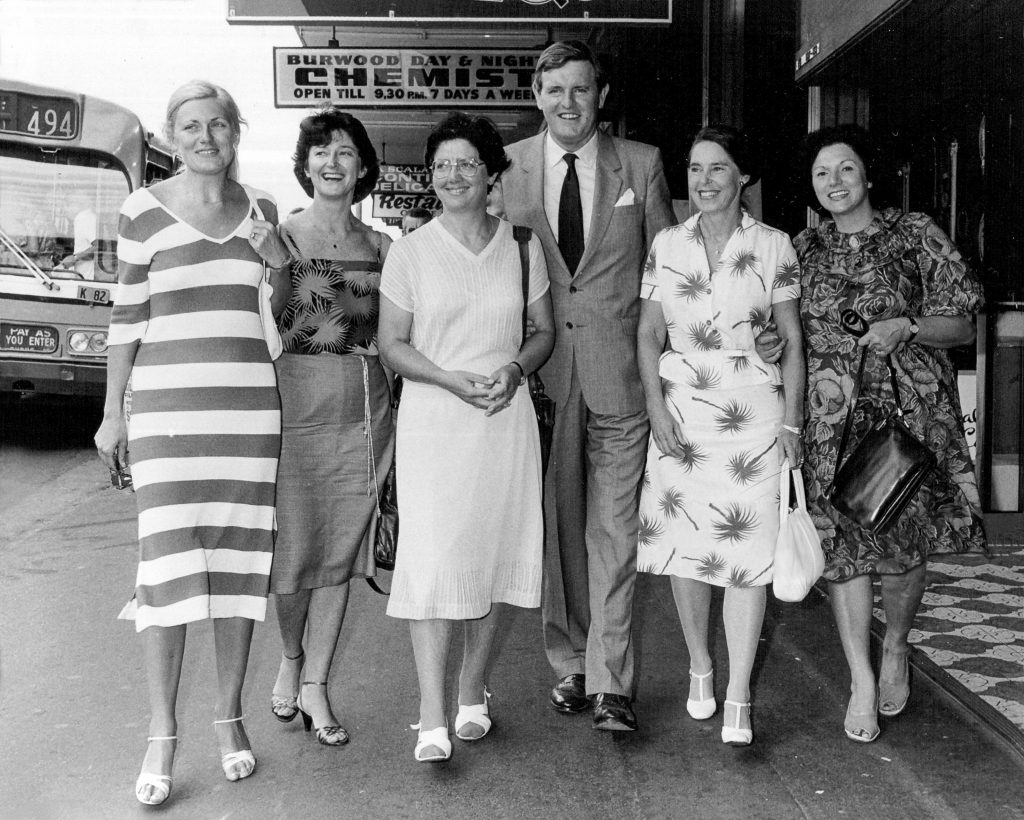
x=400, y=77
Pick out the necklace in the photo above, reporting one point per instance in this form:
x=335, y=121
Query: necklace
x=715, y=245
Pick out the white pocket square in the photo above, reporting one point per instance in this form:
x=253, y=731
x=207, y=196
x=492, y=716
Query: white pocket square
x=628, y=198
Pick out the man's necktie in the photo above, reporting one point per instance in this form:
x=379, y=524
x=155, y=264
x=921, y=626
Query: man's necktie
x=570, y=217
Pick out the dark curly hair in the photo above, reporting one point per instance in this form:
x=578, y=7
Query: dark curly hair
x=480, y=132
x=874, y=156
x=848, y=134
x=317, y=129
x=736, y=144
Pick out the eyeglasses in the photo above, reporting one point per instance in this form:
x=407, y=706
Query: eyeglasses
x=465, y=167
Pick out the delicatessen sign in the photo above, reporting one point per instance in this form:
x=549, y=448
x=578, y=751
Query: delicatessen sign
x=401, y=187
x=414, y=78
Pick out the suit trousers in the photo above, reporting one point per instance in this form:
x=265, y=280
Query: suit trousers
x=591, y=516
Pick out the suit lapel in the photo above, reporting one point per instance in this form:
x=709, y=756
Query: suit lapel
x=608, y=184
x=531, y=173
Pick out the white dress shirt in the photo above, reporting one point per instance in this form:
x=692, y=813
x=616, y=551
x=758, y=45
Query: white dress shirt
x=554, y=175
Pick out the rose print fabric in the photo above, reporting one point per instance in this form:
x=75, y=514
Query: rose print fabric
x=902, y=264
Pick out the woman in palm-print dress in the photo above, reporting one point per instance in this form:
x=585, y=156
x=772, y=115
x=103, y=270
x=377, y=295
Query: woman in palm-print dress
x=336, y=443
x=721, y=419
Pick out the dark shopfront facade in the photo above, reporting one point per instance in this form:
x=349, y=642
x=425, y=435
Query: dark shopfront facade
x=940, y=79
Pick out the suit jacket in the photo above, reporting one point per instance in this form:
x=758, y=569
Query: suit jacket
x=597, y=310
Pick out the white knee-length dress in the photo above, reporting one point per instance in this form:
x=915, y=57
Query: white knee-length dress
x=469, y=485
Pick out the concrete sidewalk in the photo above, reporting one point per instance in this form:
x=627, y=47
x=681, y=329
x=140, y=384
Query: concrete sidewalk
x=73, y=712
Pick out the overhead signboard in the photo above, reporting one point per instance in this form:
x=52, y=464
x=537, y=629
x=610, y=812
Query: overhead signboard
x=401, y=187
x=342, y=12
x=413, y=78
x=828, y=26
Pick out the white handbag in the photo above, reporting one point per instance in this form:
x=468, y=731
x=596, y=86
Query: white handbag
x=266, y=290
x=270, y=331
x=799, y=560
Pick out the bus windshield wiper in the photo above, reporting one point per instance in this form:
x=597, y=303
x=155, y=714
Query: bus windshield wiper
x=21, y=256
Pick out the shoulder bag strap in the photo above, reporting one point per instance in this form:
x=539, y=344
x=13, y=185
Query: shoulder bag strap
x=895, y=386
x=856, y=395
x=849, y=413
x=522, y=236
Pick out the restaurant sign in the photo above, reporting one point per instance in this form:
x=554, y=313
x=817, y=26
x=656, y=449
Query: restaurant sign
x=411, y=78
x=401, y=187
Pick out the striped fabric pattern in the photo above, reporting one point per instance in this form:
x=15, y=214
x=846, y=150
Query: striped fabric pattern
x=204, y=434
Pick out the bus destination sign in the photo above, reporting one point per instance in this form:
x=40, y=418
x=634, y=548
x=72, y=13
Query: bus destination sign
x=34, y=115
x=411, y=78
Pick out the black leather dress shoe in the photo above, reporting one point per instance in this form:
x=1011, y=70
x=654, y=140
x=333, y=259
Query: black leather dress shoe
x=570, y=694
x=613, y=713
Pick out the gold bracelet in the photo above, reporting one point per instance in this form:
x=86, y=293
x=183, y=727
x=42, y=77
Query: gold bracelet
x=795, y=430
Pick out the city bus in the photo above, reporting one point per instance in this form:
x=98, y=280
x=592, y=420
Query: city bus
x=67, y=163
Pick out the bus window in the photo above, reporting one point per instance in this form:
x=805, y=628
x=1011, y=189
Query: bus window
x=61, y=208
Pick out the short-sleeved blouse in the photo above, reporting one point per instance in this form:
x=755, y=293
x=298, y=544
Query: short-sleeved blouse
x=758, y=268
x=902, y=264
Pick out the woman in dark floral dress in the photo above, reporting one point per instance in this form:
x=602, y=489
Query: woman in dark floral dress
x=904, y=276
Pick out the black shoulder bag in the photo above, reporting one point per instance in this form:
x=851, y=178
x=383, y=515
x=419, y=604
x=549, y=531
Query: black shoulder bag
x=883, y=474
x=543, y=405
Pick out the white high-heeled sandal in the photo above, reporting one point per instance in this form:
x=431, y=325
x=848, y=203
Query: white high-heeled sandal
x=734, y=735
x=160, y=783
x=705, y=707
x=231, y=759
x=432, y=737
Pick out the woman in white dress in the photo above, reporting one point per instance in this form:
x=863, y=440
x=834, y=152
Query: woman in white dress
x=467, y=451
x=721, y=420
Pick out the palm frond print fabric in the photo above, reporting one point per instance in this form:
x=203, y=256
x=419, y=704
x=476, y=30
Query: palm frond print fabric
x=333, y=307
x=710, y=511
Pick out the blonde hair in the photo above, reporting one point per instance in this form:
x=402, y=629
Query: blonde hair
x=204, y=90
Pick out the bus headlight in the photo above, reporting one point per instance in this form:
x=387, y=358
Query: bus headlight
x=88, y=342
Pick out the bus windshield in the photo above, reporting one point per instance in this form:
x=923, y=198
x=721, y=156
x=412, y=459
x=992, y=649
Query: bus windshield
x=60, y=208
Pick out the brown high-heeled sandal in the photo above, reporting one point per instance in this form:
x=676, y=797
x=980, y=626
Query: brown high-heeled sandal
x=325, y=735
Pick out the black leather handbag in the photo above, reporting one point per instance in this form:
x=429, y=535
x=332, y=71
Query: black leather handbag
x=385, y=542
x=385, y=537
x=883, y=474
x=543, y=405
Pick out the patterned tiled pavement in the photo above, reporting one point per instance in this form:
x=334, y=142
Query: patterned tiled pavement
x=969, y=635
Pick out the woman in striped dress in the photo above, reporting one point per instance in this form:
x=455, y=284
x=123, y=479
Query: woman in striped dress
x=204, y=434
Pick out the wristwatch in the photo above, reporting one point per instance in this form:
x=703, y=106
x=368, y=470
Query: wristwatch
x=914, y=329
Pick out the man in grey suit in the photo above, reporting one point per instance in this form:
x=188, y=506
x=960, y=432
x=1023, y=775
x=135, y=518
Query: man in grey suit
x=596, y=203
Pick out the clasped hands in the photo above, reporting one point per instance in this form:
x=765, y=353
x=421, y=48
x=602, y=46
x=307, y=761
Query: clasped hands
x=492, y=394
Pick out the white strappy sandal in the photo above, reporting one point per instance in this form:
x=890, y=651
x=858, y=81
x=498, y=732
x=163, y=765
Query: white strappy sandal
x=160, y=783
x=229, y=760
